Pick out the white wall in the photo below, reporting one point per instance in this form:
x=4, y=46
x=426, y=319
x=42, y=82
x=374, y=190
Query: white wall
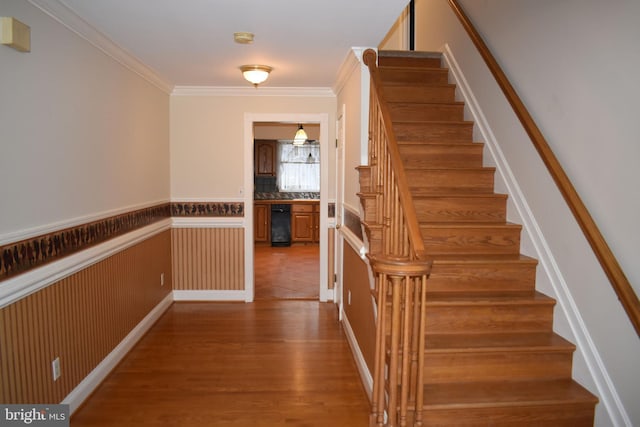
x=80, y=135
x=207, y=140
x=572, y=62
x=353, y=94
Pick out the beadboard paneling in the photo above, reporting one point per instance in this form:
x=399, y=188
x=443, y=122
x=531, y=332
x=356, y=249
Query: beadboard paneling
x=208, y=258
x=79, y=319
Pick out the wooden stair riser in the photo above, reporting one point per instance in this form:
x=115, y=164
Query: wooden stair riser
x=485, y=318
x=436, y=155
x=434, y=131
x=419, y=111
x=542, y=364
x=477, y=318
x=487, y=277
x=464, y=239
x=490, y=209
x=414, y=75
x=541, y=415
x=444, y=181
x=403, y=61
x=427, y=94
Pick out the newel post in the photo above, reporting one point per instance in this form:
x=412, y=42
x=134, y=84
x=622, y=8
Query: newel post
x=400, y=339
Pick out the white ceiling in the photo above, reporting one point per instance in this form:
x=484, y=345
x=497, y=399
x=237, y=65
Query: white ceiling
x=190, y=42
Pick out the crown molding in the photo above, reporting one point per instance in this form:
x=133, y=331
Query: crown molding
x=351, y=62
x=65, y=15
x=319, y=92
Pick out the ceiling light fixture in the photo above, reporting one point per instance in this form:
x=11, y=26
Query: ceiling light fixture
x=301, y=136
x=255, y=74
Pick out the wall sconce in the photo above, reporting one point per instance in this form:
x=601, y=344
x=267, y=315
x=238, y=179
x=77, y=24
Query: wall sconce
x=255, y=74
x=301, y=136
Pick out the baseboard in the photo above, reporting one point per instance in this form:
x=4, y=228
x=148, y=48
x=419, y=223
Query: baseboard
x=210, y=296
x=606, y=391
x=100, y=372
x=363, y=369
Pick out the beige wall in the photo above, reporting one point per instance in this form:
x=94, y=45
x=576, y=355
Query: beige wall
x=398, y=36
x=81, y=135
x=207, y=140
x=355, y=87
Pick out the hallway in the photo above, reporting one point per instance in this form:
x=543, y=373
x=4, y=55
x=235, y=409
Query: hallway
x=290, y=272
x=268, y=363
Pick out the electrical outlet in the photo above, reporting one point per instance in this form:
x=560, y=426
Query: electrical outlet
x=161, y=279
x=55, y=368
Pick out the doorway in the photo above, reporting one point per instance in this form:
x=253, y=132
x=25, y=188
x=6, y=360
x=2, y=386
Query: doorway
x=298, y=271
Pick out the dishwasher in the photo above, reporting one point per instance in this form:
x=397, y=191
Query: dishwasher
x=281, y=224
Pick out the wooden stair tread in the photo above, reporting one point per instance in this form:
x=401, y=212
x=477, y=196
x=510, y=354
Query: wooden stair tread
x=426, y=103
x=496, y=342
x=418, y=192
x=405, y=85
x=458, y=193
x=483, y=259
x=440, y=143
x=433, y=122
x=452, y=168
x=494, y=299
x=408, y=54
x=414, y=69
x=505, y=393
x=464, y=225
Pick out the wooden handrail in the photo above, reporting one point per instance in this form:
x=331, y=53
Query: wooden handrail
x=608, y=261
x=415, y=235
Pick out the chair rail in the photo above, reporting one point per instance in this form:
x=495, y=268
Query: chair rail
x=608, y=261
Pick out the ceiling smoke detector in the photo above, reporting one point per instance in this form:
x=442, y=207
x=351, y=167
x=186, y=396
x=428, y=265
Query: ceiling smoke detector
x=243, y=38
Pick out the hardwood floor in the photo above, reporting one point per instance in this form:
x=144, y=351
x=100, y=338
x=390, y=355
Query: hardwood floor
x=267, y=363
x=291, y=272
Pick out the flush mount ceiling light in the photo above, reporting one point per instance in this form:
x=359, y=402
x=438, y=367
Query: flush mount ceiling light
x=255, y=74
x=301, y=136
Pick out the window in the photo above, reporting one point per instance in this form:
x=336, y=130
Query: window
x=298, y=167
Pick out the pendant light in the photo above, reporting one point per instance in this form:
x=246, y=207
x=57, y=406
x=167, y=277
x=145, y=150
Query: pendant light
x=301, y=136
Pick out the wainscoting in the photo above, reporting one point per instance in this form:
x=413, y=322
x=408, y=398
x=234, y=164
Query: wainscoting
x=208, y=259
x=79, y=319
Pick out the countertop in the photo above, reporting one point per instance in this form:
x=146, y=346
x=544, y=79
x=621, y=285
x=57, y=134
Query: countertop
x=283, y=197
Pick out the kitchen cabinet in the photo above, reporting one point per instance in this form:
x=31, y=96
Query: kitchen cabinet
x=265, y=157
x=305, y=223
x=262, y=222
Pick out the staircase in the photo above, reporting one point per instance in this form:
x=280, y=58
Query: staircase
x=490, y=355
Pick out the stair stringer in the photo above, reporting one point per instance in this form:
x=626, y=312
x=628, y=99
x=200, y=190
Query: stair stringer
x=549, y=279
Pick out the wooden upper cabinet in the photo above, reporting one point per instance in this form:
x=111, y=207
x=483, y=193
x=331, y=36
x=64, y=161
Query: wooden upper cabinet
x=265, y=157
